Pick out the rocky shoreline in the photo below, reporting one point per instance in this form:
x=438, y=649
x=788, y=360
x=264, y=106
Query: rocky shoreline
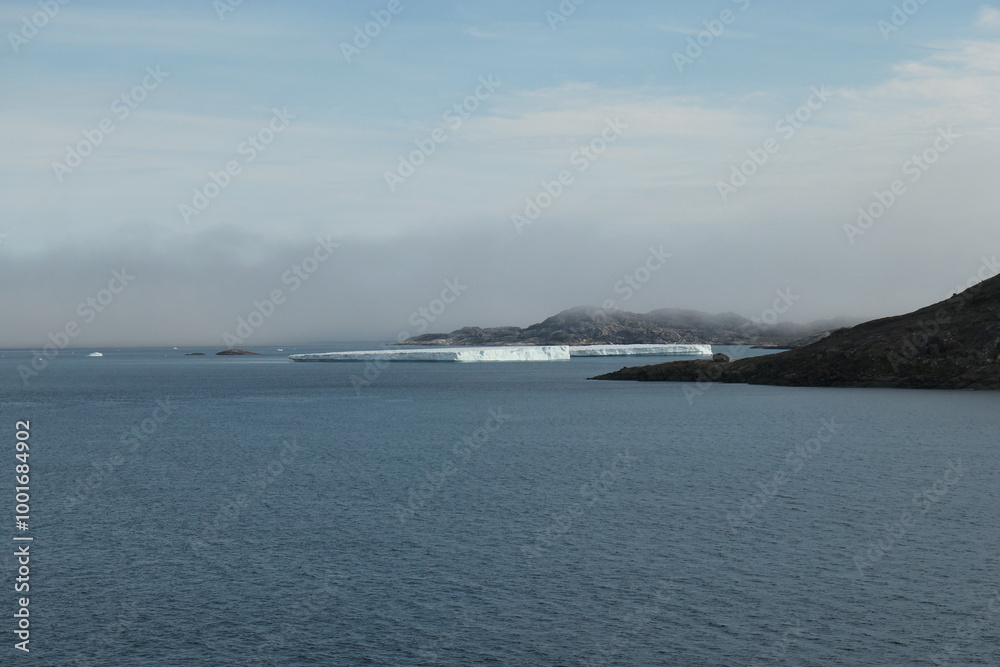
x=953, y=344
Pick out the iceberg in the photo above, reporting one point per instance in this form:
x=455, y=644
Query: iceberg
x=95, y=354
x=671, y=350
x=461, y=354
x=510, y=353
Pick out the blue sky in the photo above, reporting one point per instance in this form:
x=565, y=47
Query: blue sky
x=324, y=173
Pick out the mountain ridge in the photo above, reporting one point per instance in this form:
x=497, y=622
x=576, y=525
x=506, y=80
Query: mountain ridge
x=588, y=325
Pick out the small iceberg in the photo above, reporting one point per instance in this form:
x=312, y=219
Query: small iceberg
x=459, y=354
x=95, y=354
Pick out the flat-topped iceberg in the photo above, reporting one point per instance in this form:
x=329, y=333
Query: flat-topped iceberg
x=671, y=350
x=510, y=353
x=464, y=354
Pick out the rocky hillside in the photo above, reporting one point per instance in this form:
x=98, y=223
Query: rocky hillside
x=954, y=344
x=593, y=326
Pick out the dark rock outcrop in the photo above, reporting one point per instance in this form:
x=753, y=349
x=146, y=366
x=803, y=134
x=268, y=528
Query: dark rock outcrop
x=235, y=351
x=954, y=344
x=718, y=357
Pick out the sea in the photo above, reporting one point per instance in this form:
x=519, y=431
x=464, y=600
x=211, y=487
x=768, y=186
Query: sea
x=249, y=510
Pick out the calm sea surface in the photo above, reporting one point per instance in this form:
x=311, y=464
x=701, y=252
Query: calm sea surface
x=254, y=511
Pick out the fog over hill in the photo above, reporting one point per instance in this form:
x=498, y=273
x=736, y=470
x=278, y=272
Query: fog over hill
x=586, y=325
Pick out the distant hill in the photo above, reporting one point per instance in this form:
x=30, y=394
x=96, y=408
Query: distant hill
x=586, y=325
x=954, y=344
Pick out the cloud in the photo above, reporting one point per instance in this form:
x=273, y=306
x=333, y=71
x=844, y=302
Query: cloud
x=673, y=29
x=989, y=18
x=452, y=217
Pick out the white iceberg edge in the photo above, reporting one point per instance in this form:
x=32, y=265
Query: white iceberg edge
x=461, y=354
x=509, y=353
x=672, y=350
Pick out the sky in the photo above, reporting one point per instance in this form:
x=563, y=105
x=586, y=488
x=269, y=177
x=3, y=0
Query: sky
x=212, y=173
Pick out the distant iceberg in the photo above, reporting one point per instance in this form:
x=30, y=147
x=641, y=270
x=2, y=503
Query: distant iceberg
x=510, y=353
x=95, y=354
x=672, y=350
x=462, y=354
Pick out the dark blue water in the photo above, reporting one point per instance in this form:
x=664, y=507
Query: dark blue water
x=275, y=513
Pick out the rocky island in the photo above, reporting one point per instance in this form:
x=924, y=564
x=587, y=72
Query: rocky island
x=586, y=325
x=954, y=344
